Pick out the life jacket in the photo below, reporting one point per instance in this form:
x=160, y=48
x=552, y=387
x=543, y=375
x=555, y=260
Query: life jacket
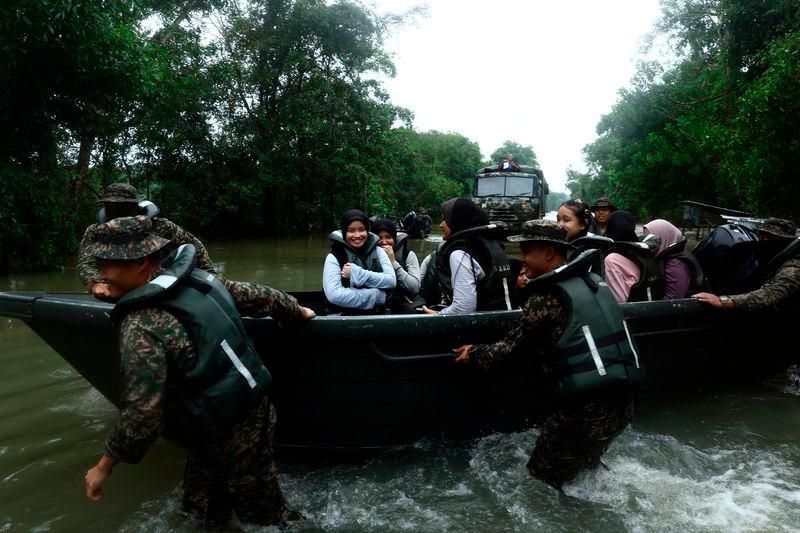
x=430, y=291
x=651, y=284
x=401, y=300
x=367, y=258
x=495, y=289
x=205, y=396
x=590, y=241
x=679, y=251
x=596, y=350
x=791, y=251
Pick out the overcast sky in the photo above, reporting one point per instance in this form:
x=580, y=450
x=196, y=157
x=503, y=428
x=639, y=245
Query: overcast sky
x=538, y=72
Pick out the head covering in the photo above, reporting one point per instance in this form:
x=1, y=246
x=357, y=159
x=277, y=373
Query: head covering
x=384, y=224
x=542, y=230
x=462, y=213
x=350, y=216
x=125, y=239
x=665, y=231
x=119, y=193
x=603, y=202
x=621, y=226
x=779, y=227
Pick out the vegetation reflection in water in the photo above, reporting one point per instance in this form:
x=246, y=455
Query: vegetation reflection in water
x=720, y=459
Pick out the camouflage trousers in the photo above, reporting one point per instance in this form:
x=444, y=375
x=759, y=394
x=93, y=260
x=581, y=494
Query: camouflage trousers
x=575, y=437
x=237, y=474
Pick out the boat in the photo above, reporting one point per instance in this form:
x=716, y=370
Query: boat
x=360, y=383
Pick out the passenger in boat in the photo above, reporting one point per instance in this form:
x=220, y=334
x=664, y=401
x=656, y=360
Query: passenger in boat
x=473, y=269
x=357, y=277
x=631, y=270
x=430, y=291
x=568, y=312
x=575, y=216
x=179, y=327
x=683, y=275
x=779, y=279
x=404, y=262
x=122, y=200
x=601, y=210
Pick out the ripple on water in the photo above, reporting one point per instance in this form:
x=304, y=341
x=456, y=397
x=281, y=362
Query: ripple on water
x=90, y=404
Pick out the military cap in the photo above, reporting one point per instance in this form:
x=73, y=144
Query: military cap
x=542, y=230
x=125, y=239
x=779, y=227
x=119, y=192
x=603, y=202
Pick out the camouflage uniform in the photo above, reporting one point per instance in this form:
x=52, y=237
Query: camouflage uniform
x=576, y=433
x=235, y=473
x=87, y=264
x=785, y=284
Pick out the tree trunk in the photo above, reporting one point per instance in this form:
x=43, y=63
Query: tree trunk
x=84, y=156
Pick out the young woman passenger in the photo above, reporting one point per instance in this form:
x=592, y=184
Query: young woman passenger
x=576, y=217
x=357, y=275
x=682, y=273
x=472, y=267
x=404, y=262
x=621, y=273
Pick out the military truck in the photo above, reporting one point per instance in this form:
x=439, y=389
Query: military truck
x=511, y=197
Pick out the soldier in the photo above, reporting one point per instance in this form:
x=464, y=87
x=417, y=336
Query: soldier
x=183, y=350
x=780, y=277
x=601, y=210
x=573, y=326
x=121, y=200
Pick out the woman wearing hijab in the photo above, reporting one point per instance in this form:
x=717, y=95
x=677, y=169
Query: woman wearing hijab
x=404, y=262
x=630, y=267
x=357, y=275
x=683, y=275
x=472, y=266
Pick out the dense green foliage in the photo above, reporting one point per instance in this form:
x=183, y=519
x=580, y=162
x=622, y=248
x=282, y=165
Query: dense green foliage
x=237, y=118
x=555, y=199
x=720, y=125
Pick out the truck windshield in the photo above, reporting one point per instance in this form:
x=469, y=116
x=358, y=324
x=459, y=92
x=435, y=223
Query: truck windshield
x=505, y=186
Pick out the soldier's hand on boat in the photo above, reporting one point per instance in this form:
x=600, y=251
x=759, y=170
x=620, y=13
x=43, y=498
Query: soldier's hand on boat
x=346, y=270
x=707, y=298
x=306, y=313
x=95, y=477
x=462, y=353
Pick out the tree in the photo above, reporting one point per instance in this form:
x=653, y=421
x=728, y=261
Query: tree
x=524, y=155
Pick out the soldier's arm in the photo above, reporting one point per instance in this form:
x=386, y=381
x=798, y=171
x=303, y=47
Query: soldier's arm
x=540, y=319
x=144, y=335
x=256, y=300
x=87, y=265
x=177, y=235
x=785, y=283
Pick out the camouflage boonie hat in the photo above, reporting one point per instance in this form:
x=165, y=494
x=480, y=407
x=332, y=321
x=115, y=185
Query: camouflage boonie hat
x=780, y=227
x=125, y=239
x=603, y=202
x=119, y=192
x=544, y=231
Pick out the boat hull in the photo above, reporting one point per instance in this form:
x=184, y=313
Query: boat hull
x=354, y=383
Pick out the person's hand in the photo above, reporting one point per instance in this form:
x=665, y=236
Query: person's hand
x=101, y=290
x=306, y=313
x=428, y=311
x=709, y=299
x=346, y=270
x=389, y=251
x=95, y=477
x=462, y=353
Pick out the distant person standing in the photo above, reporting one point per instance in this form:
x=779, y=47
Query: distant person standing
x=567, y=313
x=601, y=210
x=779, y=278
x=508, y=164
x=122, y=200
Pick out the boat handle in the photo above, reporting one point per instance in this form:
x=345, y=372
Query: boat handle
x=395, y=359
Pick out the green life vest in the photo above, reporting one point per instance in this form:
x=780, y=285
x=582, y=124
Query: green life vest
x=207, y=395
x=652, y=284
x=596, y=351
x=495, y=290
x=366, y=257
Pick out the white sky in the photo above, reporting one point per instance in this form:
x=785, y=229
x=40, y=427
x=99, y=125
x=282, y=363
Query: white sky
x=538, y=72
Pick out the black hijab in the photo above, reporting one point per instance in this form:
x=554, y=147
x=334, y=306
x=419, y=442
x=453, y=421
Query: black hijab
x=462, y=213
x=349, y=217
x=384, y=224
x=621, y=226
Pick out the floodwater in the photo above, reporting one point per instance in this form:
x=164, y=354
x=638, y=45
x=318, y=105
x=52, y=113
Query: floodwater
x=715, y=459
